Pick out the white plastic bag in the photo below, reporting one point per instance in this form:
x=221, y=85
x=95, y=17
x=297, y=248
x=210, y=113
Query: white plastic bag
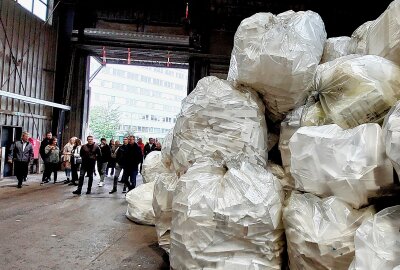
x=337, y=47
x=320, y=232
x=140, y=207
x=377, y=242
x=359, y=38
x=391, y=135
x=166, y=149
x=226, y=219
x=151, y=166
x=216, y=118
x=354, y=90
x=277, y=55
x=349, y=164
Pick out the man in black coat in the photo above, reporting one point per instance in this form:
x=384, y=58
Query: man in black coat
x=43, y=144
x=103, y=160
x=89, y=153
x=149, y=147
x=132, y=158
x=119, y=162
x=21, y=153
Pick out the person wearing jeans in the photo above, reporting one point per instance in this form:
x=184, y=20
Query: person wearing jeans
x=75, y=164
x=103, y=160
x=89, y=153
x=131, y=161
x=52, y=159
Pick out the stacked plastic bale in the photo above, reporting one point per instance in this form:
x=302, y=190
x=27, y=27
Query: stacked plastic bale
x=227, y=217
x=227, y=206
x=165, y=184
x=391, y=135
x=377, y=242
x=151, y=166
x=338, y=47
x=140, y=208
x=320, y=232
x=277, y=55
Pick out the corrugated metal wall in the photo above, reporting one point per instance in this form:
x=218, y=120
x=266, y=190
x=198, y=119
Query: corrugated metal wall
x=34, y=47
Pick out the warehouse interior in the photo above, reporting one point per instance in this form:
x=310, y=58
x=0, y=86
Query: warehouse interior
x=45, y=78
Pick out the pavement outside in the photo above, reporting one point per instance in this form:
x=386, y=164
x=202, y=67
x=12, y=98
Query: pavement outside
x=47, y=227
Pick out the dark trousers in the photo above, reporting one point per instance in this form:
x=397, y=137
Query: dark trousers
x=89, y=169
x=50, y=168
x=21, y=170
x=130, y=173
x=111, y=165
x=44, y=172
x=74, y=172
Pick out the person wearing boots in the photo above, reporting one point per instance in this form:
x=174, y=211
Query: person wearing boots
x=43, y=144
x=66, y=158
x=89, y=153
x=52, y=160
x=21, y=153
x=131, y=162
x=76, y=162
x=103, y=160
x=119, y=156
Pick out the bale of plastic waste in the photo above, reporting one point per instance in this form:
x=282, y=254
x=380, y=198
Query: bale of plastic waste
x=354, y=90
x=166, y=157
x=277, y=55
x=320, y=232
x=151, y=166
x=377, y=242
x=359, y=38
x=349, y=164
x=227, y=218
x=391, y=136
x=337, y=47
x=217, y=118
x=140, y=204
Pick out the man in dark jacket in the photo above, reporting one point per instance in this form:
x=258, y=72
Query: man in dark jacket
x=149, y=147
x=89, y=153
x=131, y=160
x=103, y=160
x=21, y=153
x=119, y=152
x=43, y=144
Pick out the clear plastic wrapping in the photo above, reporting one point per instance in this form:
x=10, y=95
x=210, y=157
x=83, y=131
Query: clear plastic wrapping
x=217, y=118
x=320, y=232
x=354, y=90
x=277, y=55
x=166, y=149
x=359, y=38
x=337, y=47
x=377, y=242
x=151, y=166
x=383, y=34
x=140, y=204
x=349, y=164
x=391, y=136
x=227, y=219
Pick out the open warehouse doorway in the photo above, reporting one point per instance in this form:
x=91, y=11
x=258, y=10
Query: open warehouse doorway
x=134, y=100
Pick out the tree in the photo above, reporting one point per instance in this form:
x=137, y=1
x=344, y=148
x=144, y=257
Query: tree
x=104, y=121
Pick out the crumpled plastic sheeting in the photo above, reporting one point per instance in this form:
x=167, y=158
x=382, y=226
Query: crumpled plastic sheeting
x=359, y=38
x=140, y=207
x=356, y=90
x=377, y=242
x=337, y=47
x=278, y=56
x=383, y=35
x=349, y=164
x=164, y=189
x=227, y=219
x=151, y=166
x=391, y=136
x=320, y=232
x=284, y=178
x=217, y=118
x=166, y=157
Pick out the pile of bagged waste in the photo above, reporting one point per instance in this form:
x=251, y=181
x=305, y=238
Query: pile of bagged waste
x=140, y=207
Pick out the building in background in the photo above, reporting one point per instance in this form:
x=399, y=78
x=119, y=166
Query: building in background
x=148, y=98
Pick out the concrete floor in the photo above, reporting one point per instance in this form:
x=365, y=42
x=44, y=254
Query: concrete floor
x=47, y=227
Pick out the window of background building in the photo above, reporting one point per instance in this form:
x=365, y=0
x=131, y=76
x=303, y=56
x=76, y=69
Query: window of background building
x=37, y=7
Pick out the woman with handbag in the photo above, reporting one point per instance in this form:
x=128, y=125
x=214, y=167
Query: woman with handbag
x=76, y=161
x=66, y=158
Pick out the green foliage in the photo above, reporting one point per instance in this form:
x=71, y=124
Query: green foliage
x=104, y=121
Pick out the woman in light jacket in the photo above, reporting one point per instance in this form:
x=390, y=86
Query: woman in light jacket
x=66, y=158
x=75, y=162
x=52, y=158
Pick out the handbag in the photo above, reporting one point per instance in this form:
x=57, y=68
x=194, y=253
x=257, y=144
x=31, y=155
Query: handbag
x=78, y=160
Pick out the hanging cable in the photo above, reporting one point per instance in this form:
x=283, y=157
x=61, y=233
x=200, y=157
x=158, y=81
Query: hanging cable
x=29, y=42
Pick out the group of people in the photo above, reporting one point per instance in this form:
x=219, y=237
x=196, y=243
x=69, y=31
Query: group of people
x=117, y=157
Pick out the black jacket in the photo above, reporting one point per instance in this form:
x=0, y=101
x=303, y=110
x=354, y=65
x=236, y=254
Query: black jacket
x=17, y=153
x=148, y=149
x=121, y=151
x=43, y=145
x=132, y=157
x=89, y=154
x=105, y=153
